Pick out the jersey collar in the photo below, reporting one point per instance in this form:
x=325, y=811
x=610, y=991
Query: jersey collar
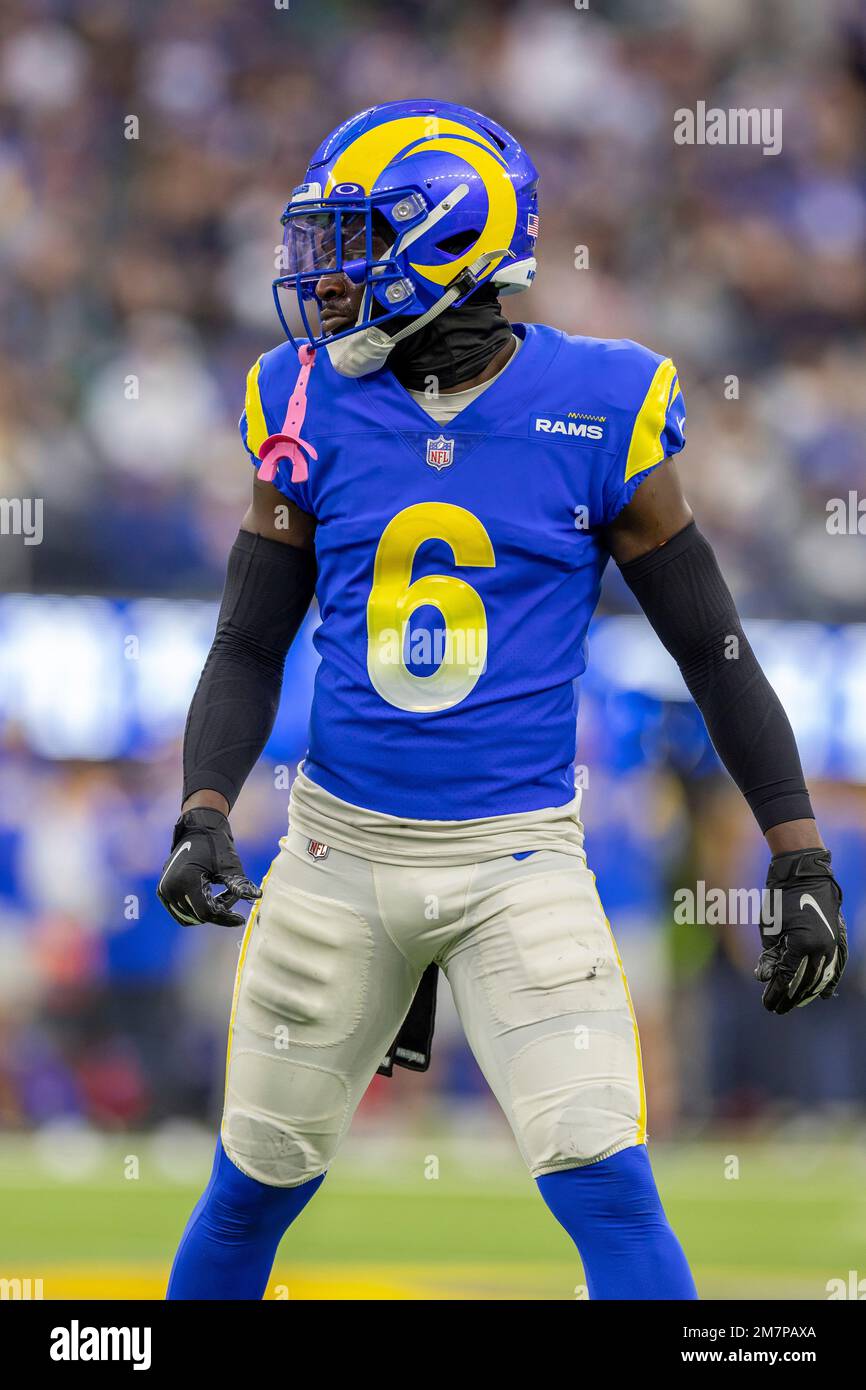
x=506, y=394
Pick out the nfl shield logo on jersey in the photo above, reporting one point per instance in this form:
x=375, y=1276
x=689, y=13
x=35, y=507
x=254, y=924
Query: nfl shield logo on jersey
x=316, y=850
x=440, y=452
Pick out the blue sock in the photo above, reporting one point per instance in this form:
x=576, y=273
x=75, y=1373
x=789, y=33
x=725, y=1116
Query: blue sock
x=614, y=1215
x=230, y=1241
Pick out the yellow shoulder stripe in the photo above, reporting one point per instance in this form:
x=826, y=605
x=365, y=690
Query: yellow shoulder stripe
x=257, y=430
x=646, y=449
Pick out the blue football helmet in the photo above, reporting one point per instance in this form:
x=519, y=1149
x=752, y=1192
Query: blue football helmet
x=418, y=201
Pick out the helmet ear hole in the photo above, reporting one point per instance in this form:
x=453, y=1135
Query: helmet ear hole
x=456, y=243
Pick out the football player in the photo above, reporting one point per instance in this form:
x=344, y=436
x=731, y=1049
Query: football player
x=451, y=488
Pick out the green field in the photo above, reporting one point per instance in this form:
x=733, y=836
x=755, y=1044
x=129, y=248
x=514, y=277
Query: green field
x=102, y=1220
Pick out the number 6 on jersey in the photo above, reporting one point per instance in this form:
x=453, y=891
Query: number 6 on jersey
x=462, y=652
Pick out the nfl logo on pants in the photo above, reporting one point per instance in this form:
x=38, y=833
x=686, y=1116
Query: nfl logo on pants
x=440, y=452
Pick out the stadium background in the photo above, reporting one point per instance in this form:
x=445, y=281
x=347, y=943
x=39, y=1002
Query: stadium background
x=148, y=260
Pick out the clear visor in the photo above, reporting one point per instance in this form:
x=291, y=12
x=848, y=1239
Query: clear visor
x=316, y=242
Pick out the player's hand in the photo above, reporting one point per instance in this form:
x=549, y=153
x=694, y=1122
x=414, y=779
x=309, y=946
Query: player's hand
x=203, y=854
x=805, y=947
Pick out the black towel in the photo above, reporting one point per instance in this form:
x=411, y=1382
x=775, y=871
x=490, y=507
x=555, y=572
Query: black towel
x=413, y=1044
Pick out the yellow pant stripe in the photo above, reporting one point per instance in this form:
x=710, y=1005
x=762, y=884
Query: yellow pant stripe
x=642, y=1117
x=248, y=931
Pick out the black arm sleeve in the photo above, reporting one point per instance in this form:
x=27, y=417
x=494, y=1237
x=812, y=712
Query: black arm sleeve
x=681, y=589
x=267, y=592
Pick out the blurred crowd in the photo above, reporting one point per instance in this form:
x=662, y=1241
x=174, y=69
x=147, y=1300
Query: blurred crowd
x=146, y=152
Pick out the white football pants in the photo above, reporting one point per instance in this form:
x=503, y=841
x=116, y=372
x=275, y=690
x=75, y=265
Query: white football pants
x=328, y=967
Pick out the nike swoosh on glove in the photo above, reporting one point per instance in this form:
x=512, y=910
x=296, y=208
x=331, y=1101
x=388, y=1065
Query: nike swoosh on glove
x=804, y=954
x=202, y=855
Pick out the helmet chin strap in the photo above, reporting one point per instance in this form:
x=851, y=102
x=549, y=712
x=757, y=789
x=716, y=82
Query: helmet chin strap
x=367, y=350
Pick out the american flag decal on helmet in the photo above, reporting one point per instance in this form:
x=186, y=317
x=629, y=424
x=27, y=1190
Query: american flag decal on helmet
x=532, y=224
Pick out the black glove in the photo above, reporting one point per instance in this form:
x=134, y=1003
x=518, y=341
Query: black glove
x=806, y=949
x=203, y=853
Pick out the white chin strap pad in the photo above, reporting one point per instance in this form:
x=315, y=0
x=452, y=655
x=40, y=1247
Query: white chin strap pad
x=360, y=353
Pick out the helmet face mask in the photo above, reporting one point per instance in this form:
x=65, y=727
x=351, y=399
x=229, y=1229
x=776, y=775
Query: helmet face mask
x=419, y=203
x=350, y=234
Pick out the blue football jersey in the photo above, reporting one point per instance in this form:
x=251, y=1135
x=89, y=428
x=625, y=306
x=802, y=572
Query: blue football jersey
x=458, y=568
